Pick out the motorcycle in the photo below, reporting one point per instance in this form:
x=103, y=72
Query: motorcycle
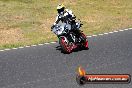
x=70, y=39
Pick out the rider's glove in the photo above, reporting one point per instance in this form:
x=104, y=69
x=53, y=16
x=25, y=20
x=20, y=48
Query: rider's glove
x=52, y=26
x=81, y=25
x=74, y=18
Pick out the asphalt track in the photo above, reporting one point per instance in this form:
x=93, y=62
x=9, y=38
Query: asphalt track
x=46, y=67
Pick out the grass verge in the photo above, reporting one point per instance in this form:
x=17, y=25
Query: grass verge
x=27, y=22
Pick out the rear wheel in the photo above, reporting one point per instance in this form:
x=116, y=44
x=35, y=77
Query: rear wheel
x=66, y=48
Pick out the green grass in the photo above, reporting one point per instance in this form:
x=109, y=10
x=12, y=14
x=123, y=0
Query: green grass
x=34, y=18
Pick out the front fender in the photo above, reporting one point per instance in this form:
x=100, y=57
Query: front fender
x=64, y=38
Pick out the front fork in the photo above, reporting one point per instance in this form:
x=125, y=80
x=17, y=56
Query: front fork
x=73, y=38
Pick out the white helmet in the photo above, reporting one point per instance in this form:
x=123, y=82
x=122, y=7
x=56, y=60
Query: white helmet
x=60, y=8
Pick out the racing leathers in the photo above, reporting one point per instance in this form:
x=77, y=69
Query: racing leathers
x=67, y=17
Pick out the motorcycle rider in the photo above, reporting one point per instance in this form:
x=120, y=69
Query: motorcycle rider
x=66, y=16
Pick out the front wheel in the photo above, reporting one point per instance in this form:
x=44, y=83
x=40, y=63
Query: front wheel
x=64, y=43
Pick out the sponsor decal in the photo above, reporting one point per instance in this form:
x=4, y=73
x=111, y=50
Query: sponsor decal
x=83, y=78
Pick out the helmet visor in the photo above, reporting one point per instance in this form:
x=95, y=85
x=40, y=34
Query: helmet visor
x=60, y=10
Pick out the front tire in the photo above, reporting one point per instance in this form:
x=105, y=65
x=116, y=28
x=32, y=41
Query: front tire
x=85, y=41
x=65, y=45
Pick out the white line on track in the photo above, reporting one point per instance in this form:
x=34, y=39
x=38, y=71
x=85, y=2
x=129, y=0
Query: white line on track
x=126, y=29
x=40, y=44
x=7, y=49
x=53, y=42
x=89, y=36
x=1, y=50
x=106, y=33
x=94, y=35
x=20, y=47
x=56, y=42
x=33, y=45
x=115, y=31
x=14, y=48
x=121, y=30
x=111, y=32
x=46, y=43
x=27, y=46
x=100, y=34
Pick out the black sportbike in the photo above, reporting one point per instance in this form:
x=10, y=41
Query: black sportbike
x=70, y=39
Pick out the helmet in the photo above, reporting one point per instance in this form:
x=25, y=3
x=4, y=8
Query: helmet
x=60, y=8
